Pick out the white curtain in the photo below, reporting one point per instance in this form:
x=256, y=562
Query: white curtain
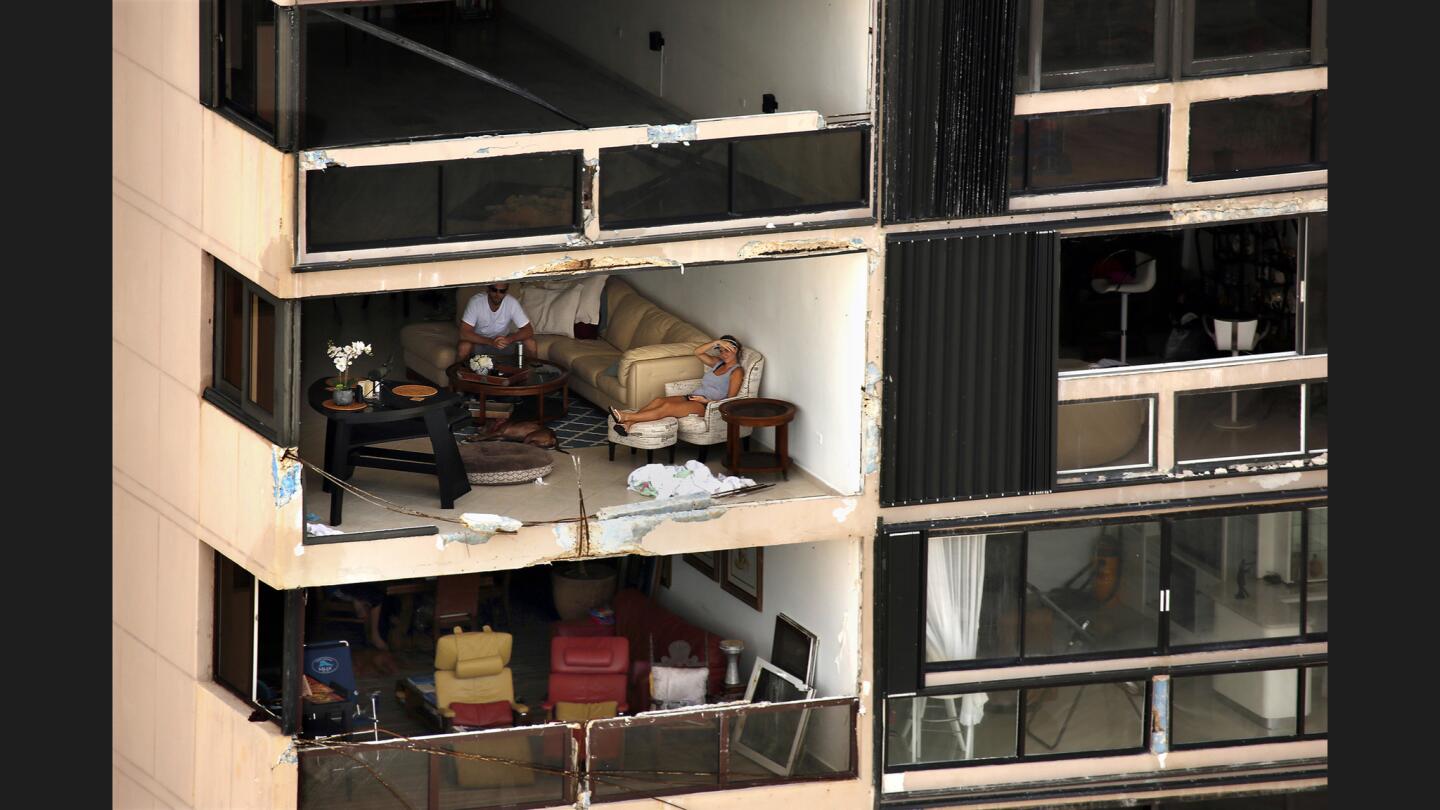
x=954, y=586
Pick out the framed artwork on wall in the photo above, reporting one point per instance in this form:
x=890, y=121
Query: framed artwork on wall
x=706, y=562
x=742, y=574
x=794, y=649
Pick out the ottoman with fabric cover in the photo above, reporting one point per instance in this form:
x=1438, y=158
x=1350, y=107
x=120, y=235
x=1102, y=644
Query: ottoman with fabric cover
x=504, y=462
x=647, y=436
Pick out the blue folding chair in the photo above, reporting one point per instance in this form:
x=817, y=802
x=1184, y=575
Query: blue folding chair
x=329, y=663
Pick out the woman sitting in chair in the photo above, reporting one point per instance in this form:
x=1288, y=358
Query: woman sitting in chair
x=722, y=380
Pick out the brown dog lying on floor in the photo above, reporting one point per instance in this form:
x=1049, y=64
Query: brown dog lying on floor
x=528, y=432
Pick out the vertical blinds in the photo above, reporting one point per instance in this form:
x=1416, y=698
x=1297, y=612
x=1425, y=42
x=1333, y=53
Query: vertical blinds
x=969, y=402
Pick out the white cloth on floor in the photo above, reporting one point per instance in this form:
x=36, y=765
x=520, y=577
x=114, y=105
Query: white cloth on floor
x=320, y=530
x=662, y=481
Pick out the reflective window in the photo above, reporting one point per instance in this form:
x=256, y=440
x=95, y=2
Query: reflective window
x=249, y=348
x=670, y=182
x=951, y=728
x=1090, y=42
x=1255, y=135
x=972, y=608
x=1235, y=578
x=1244, y=27
x=1077, y=151
x=1317, y=571
x=1236, y=424
x=1105, y=435
x=1317, y=416
x=1233, y=706
x=1317, y=283
x=1317, y=700
x=1092, y=589
x=1088, y=717
x=798, y=172
x=246, y=55
x=415, y=203
x=1171, y=296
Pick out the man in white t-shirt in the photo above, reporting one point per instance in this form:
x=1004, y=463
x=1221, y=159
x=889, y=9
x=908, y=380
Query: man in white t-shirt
x=485, y=326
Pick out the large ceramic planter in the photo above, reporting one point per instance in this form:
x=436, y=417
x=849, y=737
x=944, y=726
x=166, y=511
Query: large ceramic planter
x=576, y=592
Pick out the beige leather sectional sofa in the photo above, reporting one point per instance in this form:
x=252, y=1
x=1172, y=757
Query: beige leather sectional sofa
x=641, y=348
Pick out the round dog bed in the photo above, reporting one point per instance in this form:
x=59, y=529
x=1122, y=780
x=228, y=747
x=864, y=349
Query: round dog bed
x=504, y=462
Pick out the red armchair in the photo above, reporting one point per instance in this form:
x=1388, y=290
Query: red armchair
x=587, y=670
x=639, y=619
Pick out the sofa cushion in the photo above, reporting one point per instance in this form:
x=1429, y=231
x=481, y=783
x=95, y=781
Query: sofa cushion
x=624, y=318
x=566, y=712
x=566, y=351
x=495, y=714
x=591, y=367
x=653, y=327
x=550, y=305
x=610, y=386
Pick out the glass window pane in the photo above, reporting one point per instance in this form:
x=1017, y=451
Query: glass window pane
x=262, y=353
x=1317, y=285
x=371, y=206
x=1094, y=435
x=1317, y=571
x=1212, y=425
x=247, y=69
x=1232, y=706
x=951, y=728
x=791, y=172
x=1154, y=296
x=972, y=599
x=1088, y=34
x=231, y=326
x=1095, y=148
x=1235, y=578
x=513, y=195
x=351, y=776
x=1317, y=700
x=1251, y=135
x=234, y=625
x=1317, y=416
x=1240, y=27
x=1017, y=155
x=1088, y=590
x=663, y=754
x=667, y=183
x=1088, y=717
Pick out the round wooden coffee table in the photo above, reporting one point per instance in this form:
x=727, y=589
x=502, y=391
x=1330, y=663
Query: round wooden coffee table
x=544, y=378
x=758, y=412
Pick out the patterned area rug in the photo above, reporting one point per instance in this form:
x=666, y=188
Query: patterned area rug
x=583, y=425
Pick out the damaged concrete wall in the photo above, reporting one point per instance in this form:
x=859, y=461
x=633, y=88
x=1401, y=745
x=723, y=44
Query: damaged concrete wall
x=720, y=58
x=807, y=317
x=817, y=585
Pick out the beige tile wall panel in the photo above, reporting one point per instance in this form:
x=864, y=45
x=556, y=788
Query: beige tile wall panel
x=184, y=312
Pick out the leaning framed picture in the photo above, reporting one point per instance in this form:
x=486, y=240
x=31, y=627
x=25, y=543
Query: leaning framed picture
x=772, y=737
x=794, y=649
x=706, y=562
x=742, y=574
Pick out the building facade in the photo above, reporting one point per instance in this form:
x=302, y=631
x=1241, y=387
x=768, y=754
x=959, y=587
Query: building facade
x=1044, y=282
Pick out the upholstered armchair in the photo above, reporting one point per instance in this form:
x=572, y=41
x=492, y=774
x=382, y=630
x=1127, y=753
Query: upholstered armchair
x=703, y=431
x=473, y=669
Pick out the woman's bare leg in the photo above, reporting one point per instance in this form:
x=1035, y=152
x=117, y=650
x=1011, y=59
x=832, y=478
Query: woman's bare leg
x=671, y=406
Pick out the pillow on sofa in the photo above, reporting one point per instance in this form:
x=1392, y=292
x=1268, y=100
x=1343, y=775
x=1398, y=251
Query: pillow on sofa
x=673, y=687
x=551, y=306
x=588, y=309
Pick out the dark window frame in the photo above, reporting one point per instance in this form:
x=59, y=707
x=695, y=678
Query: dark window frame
x=223, y=567
x=1162, y=147
x=1246, y=667
x=279, y=426
x=576, y=225
x=1163, y=645
x=1314, y=164
x=289, y=37
x=1030, y=54
x=731, y=214
x=1189, y=67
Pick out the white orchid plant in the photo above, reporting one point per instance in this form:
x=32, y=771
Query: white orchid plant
x=481, y=363
x=343, y=357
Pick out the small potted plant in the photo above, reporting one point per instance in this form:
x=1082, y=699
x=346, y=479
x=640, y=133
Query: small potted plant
x=482, y=363
x=343, y=357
